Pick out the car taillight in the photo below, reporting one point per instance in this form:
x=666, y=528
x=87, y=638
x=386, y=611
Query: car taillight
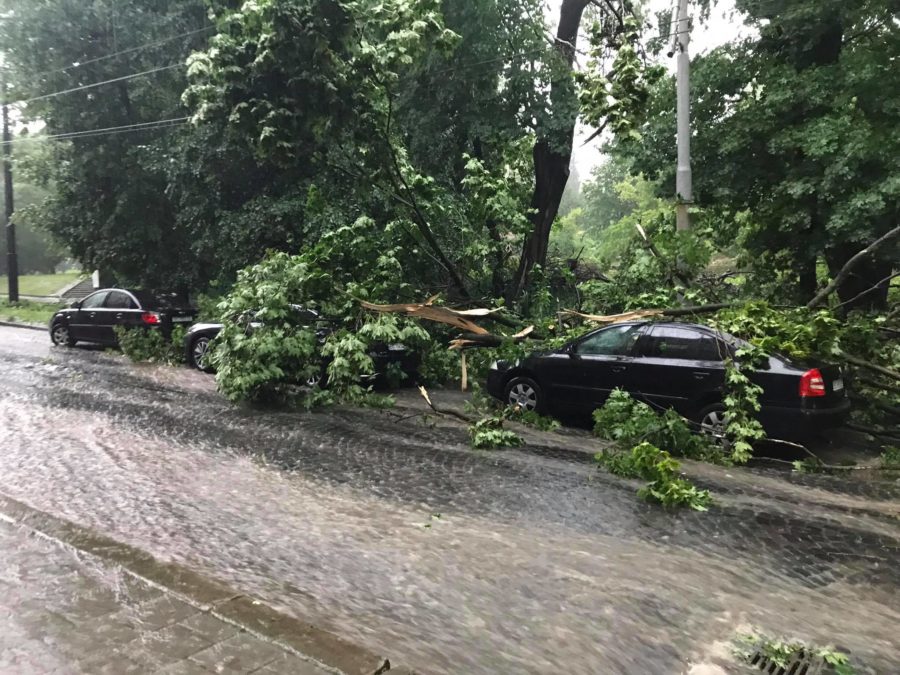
x=150, y=318
x=812, y=384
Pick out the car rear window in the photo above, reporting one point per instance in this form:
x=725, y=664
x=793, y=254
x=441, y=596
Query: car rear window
x=161, y=300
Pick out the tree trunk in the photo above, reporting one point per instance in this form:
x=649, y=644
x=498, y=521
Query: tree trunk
x=870, y=273
x=553, y=150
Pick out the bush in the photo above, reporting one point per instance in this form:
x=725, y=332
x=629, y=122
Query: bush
x=145, y=345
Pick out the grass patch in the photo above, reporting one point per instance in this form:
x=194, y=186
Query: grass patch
x=41, y=284
x=28, y=312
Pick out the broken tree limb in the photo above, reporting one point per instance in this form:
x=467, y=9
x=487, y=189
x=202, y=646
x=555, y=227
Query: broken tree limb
x=613, y=318
x=645, y=313
x=874, y=367
x=488, y=339
x=426, y=310
x=848, y=267
x=450, y=413
x=872, y=289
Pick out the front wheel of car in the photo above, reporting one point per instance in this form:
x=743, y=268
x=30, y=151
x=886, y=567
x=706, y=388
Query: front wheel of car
x=525, y=393
x=713, y=423
x=199, y=350
x=60, y=335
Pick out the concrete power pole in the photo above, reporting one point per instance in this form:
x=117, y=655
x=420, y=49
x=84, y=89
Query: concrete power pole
x=12, y=262
x=683, y=180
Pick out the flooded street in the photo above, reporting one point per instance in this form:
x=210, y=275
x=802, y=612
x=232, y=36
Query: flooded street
x=393, y=533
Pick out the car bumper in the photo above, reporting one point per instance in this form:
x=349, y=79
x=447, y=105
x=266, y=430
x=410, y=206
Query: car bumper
x=803, y=421
x=496, y=382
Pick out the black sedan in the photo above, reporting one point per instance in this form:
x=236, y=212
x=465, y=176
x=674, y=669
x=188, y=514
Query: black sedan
x=669, y=365
x=198, y=338
x=95, y=318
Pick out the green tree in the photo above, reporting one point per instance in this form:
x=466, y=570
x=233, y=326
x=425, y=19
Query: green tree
x=109, y=200
x=795, y=140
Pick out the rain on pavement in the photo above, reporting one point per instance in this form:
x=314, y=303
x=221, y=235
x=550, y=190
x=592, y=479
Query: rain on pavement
x=393, y=533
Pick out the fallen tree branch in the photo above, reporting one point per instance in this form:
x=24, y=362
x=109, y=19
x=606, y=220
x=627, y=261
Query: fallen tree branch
x=874, y=367
x=872, y=431
x=868, y=290
x=450, y=413
x=428, y=310
x=862, y=379
x=645, y=313
x=848, y=267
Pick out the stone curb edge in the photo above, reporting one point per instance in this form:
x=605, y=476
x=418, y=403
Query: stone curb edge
x=295, y=635
x=17, y=324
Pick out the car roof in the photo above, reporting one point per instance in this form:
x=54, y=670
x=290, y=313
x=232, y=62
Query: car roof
x=675, y=324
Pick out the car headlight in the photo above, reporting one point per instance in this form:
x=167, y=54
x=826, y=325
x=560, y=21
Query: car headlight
x=495, y=365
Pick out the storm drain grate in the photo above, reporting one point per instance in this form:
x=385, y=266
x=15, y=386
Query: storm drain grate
x=801, y=663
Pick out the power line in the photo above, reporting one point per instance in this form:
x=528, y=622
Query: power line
x=125, y=128
x=155, y=43
x=99, y=84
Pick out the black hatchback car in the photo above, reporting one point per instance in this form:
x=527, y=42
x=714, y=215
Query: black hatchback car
x=95, y=318
x=669, y=365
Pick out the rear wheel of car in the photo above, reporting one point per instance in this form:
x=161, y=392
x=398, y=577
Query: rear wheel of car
x=524, y=393
x=199, y=349
x=60, y=336
x=712, y=422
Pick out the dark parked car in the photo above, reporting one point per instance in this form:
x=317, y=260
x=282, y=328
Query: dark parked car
x=199, y=336
x=95, y=318
x=669, y=365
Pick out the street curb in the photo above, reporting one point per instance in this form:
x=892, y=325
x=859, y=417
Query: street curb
x=29, y=326
x=294, y=635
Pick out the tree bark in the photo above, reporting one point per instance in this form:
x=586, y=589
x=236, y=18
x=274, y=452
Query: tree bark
x=553, y=149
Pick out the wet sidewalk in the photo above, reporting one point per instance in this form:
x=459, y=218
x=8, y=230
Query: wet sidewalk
x=62, y=611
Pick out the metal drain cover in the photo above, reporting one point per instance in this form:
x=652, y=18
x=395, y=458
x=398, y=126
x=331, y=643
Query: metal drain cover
x=801, y=663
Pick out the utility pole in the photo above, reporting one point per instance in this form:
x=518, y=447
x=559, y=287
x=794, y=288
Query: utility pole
x=683, y=180
x=12, y=262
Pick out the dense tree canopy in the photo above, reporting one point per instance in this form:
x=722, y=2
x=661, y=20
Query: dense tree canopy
x=795, y=140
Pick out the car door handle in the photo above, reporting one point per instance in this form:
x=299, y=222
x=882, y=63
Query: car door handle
x=617, y=369
x=699, y=374
x=119, y=315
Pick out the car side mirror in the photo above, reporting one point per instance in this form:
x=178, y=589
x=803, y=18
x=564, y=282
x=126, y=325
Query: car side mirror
x=76, y=304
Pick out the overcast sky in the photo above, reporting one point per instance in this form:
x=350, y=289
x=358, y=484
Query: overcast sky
x=723, y=25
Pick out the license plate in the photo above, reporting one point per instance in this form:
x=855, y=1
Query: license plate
x=182, y=319
x=838, y=385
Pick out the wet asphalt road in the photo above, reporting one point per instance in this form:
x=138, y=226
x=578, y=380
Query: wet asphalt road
x=535, y=563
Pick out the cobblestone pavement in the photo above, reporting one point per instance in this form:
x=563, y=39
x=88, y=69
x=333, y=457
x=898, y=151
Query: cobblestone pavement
x=62, y=612
x=393, y=533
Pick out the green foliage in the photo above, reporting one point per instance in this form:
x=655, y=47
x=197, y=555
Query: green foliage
x=656, y=466
x=781, y=651
x=146, y=345
x=741, y=405
x=532, y=419
x=630, y=422
x=890, y=458
x=488, y=433
x=638, y=433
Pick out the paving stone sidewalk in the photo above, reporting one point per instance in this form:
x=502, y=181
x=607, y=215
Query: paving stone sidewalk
x=65, y=612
